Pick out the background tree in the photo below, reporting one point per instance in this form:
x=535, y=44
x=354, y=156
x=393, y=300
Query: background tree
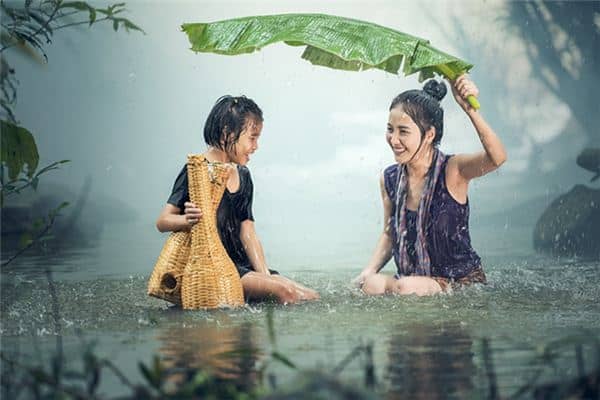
x=563, y=44
x=27, y=26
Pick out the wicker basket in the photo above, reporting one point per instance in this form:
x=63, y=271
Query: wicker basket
x=210, y=279
x=165, y=281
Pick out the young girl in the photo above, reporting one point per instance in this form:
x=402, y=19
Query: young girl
x=425, y=204
x=231, y=132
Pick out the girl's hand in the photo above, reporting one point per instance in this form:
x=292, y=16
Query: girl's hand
x=463, y=87
x=360, y=279
x=191, y=213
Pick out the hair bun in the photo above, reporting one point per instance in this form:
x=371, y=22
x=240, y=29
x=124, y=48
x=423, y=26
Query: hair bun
x=435, y=89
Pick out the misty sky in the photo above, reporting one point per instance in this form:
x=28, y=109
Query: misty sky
x=127, y=108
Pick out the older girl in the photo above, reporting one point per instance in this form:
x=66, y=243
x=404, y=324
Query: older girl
x=232, y=131
x=425, y=203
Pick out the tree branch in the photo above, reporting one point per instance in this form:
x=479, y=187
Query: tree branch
x=45, y=26
x=79, y=23
x=33, y=242
x=18, y=253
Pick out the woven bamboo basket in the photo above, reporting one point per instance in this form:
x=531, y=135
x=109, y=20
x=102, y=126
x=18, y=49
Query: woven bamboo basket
x=165, y=281
x=210, y=279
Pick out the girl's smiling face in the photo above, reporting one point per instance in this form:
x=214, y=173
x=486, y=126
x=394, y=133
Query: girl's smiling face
x=404, y=136
x=247, y=142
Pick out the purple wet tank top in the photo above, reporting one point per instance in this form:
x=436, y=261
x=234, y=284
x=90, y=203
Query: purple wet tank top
x=447, y=231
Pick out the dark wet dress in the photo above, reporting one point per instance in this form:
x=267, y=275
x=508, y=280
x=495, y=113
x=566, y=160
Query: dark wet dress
x=234, y=209
x=447, y=232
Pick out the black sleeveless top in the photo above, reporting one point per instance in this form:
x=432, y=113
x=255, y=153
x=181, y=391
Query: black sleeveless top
x=447, y=233
x=233, y=210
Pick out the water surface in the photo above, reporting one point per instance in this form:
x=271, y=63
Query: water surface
x=451, y=345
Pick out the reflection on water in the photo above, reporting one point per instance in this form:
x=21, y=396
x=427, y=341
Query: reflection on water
x=430, y=362
x=224, y=350
x=442, y=360
x=116, y=250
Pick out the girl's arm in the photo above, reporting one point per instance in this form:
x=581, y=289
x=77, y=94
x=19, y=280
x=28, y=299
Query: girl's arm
x=472, y=166
x=253, y=247
x=170, y=219
x=383, y=249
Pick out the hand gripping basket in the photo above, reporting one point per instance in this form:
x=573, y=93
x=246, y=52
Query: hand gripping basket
x=207, y=278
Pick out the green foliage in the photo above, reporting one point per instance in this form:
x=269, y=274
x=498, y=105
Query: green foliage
x=154, y=375
x=55, y=378
x=277, y=356
x=18, y=150
x=81, y=6
x=29, y=26
x=19, y=160
x=33, y=26
x=331, y=41
x=198, y=383
x=22, y=181
x=109, y=14
x=8, y=86
x=546, y=357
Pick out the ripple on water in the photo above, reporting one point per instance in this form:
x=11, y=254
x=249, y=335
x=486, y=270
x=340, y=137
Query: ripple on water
x=537, y=294
x=440, y=339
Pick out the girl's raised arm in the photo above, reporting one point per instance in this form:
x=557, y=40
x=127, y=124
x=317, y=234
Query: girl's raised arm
x=472, y=166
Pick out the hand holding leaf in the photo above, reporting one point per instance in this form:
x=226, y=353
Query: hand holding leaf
x=462, y=88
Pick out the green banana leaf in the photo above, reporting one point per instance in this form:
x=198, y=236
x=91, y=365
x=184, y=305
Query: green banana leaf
x=331, y=41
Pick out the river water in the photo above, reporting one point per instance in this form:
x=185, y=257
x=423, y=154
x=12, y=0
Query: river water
x=536, y=315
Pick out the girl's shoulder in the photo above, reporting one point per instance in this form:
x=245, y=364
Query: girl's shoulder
x=245, y=178
x=390, y=169
x=450, y=165
x=390, y=172
x=390, y=178
x=244, y=172
x=447, y=158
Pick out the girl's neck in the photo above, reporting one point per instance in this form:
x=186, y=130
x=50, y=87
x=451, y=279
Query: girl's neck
x=216, y=155
x=419, y=166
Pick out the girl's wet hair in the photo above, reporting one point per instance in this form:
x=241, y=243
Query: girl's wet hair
x=227, y=120
x=423, y=106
